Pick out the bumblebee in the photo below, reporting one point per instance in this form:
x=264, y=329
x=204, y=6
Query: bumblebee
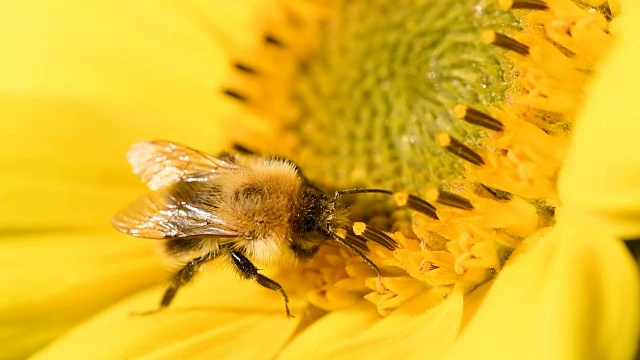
x=240, y=207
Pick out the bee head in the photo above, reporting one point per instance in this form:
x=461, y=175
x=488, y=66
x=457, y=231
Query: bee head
x=317, y=216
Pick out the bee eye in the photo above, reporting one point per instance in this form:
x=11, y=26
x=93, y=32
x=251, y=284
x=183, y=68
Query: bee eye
x=307, y=224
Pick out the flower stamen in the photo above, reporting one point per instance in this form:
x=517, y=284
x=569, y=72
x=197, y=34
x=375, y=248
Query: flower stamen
x=458, y=149
x=460, y=267
x=245, y=68
x=523, y=4
x=272, y=40
x=477, y=117
x=415, y=203
x=236, y=95
x=374, y=235
x=505, y=42
x=449, y=199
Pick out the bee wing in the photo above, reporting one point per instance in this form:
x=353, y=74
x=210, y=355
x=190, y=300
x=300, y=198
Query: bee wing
x=162, y=214
x=162, y=163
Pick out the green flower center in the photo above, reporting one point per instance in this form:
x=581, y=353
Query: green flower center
x=383, y=84
x=378, y=101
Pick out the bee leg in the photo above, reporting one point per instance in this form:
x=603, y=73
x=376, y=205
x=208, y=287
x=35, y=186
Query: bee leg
x=249, y=271
x=182, y=277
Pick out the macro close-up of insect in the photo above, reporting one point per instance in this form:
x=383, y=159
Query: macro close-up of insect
x=286, y=179
x=240, y=207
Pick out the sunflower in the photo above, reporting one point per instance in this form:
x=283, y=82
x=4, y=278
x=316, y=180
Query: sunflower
x=515, y=120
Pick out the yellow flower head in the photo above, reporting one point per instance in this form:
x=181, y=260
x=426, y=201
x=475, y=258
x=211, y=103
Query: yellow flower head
x=512, y=120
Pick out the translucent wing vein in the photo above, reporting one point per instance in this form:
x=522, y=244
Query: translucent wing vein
x=162, y=163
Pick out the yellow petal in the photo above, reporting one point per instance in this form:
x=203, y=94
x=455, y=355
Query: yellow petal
x=55, y=280
x=218, y=316
x=71, y=174
x=329, y=329
x=81, y=81
x=575, y=295
x=599, y=183
x=406, y=333
x=161, y=61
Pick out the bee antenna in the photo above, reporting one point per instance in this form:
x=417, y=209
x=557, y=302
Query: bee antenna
x=362, y=190
x=401, y=199
x=344, y=240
